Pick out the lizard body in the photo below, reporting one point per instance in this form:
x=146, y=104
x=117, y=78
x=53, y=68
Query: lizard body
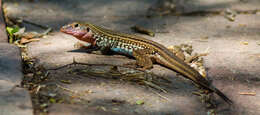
x=145, y=51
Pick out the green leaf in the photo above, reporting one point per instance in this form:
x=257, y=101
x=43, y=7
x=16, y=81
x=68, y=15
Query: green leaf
x=139, y=102
x=52, y=100
x=11, y=30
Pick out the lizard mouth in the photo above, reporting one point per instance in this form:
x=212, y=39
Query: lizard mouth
x=66, y=29
x=72, y=31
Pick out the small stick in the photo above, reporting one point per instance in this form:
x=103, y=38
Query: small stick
x=195, y=56
x=248, y=93
x=74, y=63
x=143, y=30
x=67, y=89
x=155, y=86
x=167, y=99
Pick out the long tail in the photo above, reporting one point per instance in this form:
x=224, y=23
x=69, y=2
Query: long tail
x=205, y=84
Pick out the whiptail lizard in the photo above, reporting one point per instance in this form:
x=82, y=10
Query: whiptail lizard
x=145, y=51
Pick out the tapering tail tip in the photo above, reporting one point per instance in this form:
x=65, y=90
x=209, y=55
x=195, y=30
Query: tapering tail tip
x=223, y=96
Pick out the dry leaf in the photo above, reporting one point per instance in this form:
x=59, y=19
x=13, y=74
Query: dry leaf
x=228, y=26
x=230, y=15
x=66, y=81
x=28, y=40
x=244, y=43
x=88, y=91
x=242, y=25
x=139, y=102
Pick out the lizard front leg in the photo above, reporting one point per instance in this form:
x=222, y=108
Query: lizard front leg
x=143, y=59
x=105, y=50
x=83, y=45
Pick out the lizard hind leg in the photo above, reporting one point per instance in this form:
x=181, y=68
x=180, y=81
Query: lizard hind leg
x=143, y=59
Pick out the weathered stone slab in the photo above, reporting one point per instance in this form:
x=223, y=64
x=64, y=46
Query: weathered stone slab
x=3, y=36
x=14, y=101
x=10, y=63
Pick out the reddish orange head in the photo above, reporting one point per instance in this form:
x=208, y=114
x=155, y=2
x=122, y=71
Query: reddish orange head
x=80, y=31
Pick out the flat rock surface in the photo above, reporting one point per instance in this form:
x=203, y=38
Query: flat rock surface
x=13, y=100
x=3, y=36
x=233, y=61
x=10, y=63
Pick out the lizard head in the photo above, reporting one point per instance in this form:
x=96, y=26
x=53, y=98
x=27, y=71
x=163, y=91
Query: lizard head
x=79, y=30
x=76, y=29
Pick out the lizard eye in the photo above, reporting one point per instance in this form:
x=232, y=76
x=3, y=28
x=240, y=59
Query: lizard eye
x=76, y=25
x=88, y=29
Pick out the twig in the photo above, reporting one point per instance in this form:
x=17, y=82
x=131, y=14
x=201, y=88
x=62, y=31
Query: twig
x=154, y=86
x=67, y=89
x=38, y=89
x=248, y=93
x=167, y=99
x=195, y=56
x=143, y=30
x=88, y=64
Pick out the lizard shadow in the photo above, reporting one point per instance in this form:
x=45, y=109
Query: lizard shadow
x=96, y=51
x=83, y=50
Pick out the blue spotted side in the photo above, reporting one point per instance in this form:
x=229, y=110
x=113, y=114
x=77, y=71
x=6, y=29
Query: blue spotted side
x=116, y=45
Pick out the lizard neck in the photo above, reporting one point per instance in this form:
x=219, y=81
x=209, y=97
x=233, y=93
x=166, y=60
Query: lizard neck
x=87, y=37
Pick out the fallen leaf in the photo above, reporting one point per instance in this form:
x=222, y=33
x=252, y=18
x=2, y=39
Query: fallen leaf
x=206, y=37
x=38, y=72
x=88, y=91
x=20, y=31
x=43, y=105
x=66, y=81
x=242, y=25
x=74, y=96
x=143, y=30
x=52, y=100
x=115, y=109
x=230, y=15
x=28, y=40
x=47, y=43
x=103, y=108
x=244, y=43
x=139, y=102
x=228, y=26
x=11, y=31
